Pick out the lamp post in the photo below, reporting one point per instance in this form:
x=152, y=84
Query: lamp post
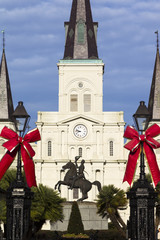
x=142, y=194
x=19, y=194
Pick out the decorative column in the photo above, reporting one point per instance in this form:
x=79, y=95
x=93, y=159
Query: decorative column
x=18, y=201
x=142, y=202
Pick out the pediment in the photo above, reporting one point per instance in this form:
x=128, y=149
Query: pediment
x=81, y=117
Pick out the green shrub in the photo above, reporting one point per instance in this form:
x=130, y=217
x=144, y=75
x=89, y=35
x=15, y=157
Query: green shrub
x=75, y=224
x=111, y=226
x=79, y=236
x=111, y=234
x=102, y=235
x=46, y=234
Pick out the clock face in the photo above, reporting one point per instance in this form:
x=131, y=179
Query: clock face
x=80, y=131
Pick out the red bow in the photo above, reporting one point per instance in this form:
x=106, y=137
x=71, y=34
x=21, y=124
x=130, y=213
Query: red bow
x=27, y=152
x=134, y=146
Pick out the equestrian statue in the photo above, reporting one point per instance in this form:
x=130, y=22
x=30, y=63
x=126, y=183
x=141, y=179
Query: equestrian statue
x=75, y=178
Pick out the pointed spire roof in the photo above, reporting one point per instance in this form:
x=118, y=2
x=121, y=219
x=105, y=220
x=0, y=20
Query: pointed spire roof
x=154, y=99
x=6, y=103
x=81, y=32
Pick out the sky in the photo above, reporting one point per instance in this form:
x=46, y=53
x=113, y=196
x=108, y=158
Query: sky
x=34, y=43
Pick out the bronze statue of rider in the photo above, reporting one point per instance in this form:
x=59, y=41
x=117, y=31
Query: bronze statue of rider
x=80, y=172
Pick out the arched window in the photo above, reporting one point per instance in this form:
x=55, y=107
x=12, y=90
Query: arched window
x=88, y=155
x=80, y=152
x=49, y=148
x=72, y=153
x=111, y=148
x=75, y=193
x=74, y=103
x=62, y=174
x=81, y=29
x=87, y=102
x=98, y=174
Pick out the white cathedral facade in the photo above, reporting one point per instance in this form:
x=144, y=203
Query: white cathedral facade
x=80, y=127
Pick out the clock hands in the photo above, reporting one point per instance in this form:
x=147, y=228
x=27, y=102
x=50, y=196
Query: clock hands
x=78, y=130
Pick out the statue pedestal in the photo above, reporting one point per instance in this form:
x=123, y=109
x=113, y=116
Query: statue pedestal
x=90, y=218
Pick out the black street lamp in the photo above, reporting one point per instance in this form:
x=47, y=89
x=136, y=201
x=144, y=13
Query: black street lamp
x=142, y=194
x=21, y=118
x=19, y=194
x=142, y=117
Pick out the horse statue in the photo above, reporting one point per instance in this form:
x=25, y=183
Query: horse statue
x=73, y=179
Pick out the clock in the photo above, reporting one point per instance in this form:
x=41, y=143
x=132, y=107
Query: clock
x=80, y=131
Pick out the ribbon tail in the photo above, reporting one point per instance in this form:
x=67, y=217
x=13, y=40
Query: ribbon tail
x=6, y=161
x=30, y=172
x=151, y=158
x=28, y=168
x=131, y=165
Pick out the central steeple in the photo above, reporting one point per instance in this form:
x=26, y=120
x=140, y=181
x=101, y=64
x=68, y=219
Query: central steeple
x=81, y=32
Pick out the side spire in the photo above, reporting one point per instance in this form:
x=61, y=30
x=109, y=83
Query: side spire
x=154, y=98
x=3, y=32
x=6, y=103
x=157, y=39
x=81, y=32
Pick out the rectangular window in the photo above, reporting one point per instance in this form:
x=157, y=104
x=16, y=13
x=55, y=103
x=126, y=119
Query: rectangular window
x=75, y=193
x=87, y=102
x=74, y=103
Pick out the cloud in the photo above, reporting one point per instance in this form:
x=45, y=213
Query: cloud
x=147, y=5
x=113, y=2
x=35, y=42
x=43, y=9
x=32, y=62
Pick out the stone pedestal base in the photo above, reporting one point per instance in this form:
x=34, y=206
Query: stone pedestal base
x=90, y=218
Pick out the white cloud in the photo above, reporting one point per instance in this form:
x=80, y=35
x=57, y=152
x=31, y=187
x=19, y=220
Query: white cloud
x=147, y=5
x=113, y=2
x=34, y=61
x=32, y=13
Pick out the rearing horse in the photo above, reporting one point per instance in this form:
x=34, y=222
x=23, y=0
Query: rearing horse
x=84, y=185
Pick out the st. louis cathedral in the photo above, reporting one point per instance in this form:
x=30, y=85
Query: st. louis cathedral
x=80, y=127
